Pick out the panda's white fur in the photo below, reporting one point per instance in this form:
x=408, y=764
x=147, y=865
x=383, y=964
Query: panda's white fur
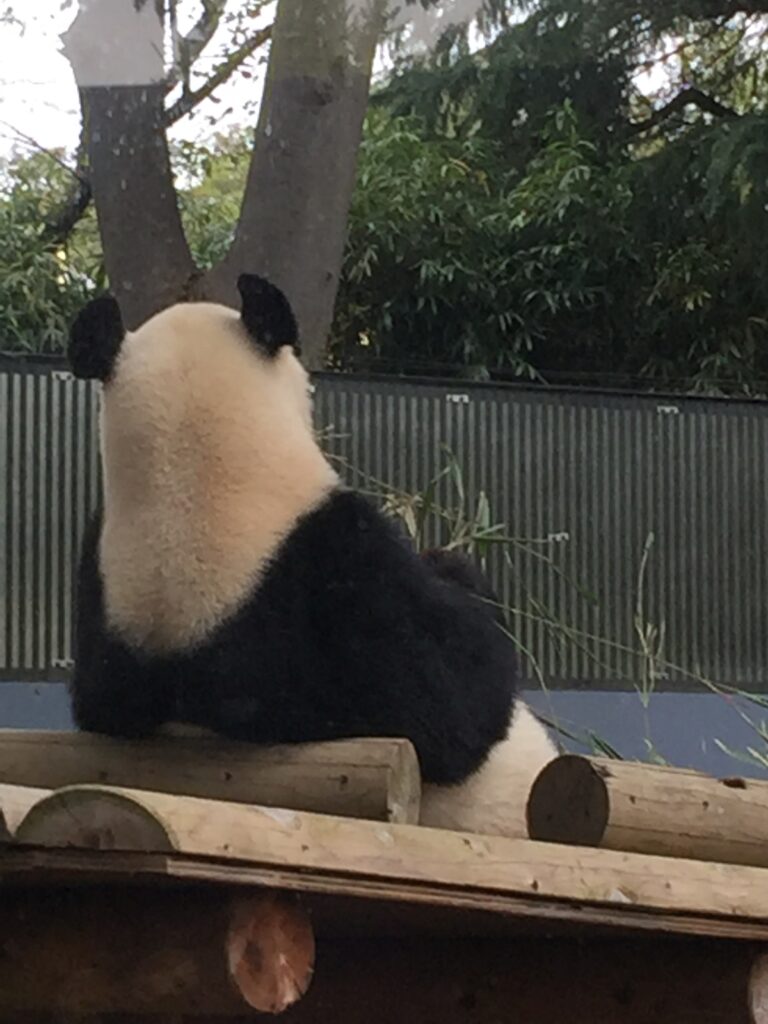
x=197, y=477
x=493, y=800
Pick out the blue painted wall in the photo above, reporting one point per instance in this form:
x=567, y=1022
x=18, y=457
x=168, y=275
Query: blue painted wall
x=682, y=726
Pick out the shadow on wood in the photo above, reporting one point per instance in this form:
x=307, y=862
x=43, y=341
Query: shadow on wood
x=530, y=982
x=106, y=950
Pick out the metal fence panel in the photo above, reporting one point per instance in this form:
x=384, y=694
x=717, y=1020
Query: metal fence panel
x=583, y=482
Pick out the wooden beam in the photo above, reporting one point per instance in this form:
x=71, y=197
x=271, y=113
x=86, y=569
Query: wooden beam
x=621, y=805
x=533, y=981
x=377, y=779
x=539, y=981
x=112, y=819
x=15, y=801
x=147, y=952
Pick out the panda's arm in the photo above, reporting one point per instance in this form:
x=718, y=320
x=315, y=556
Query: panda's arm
x=110, y=693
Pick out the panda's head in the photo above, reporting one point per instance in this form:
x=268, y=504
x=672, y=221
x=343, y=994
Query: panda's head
x=215, y=349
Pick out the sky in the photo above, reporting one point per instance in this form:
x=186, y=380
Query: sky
x=38, y=97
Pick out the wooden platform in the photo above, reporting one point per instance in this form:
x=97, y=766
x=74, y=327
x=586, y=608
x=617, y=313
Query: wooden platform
x=143, y=904
x=405, y=930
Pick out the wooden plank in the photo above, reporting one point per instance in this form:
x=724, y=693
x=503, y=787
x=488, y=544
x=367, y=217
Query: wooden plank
x=100, y=818
x=15, y=801
x=621, y=805
x=116, y=951
x=344, y=906
x=376, y=779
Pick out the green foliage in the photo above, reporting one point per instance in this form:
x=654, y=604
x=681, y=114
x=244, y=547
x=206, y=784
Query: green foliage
x=638, y=213
x=424, y=277
x=585, y=266
x=527, y=209
x=41, y=286
x=211, y=179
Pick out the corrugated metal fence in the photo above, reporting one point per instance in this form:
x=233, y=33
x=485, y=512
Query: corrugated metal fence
x=584, y=482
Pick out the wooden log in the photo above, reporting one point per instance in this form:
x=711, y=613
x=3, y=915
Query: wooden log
x=377, y=779
x=96, y=818
x=15, y=801
x=140, y=951
x=621, y=805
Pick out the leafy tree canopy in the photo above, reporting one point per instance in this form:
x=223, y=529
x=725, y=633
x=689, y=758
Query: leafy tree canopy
x=620, y=235
x=582, y=197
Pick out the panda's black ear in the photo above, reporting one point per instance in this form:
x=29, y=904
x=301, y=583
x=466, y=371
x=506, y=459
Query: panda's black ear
x=267, y=314
x=95, y=338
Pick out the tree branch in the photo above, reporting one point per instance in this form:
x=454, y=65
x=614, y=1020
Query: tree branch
x=28, y=140
x=189, y=100
x=689, y=95
x=75, y=206
x=195, y=41
x=58, y=229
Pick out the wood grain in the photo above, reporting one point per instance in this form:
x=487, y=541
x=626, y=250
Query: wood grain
x=359, y=906
x=377, y=779
x=621, y=805
x=92, y=817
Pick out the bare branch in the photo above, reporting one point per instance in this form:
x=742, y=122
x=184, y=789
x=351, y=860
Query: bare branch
x=59, y=227
x=689, y=96
x=188, y=101
x=28, y=140
x=75, y=206
x=195, y=41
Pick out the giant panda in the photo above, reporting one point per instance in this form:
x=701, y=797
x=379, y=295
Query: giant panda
x=230, y=582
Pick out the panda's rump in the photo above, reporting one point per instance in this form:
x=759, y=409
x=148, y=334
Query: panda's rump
x=493, y=800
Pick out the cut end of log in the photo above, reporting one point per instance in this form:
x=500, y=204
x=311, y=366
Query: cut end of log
x=15, y=803
x=271, y=952
x=568, y=803
x=93, y=818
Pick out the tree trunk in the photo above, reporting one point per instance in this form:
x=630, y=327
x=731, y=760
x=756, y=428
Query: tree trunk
x=293, y=220
x=116, y=53
x=145, y=252
x=292, y=225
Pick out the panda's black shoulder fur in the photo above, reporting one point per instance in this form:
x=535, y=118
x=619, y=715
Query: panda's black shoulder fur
x=457, y=568
x=349, y=633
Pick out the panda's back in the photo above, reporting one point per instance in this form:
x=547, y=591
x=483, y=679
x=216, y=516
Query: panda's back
x=347, y=632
